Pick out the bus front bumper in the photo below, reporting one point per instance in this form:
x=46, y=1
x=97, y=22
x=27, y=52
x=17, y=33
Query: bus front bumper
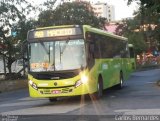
x=47, y=92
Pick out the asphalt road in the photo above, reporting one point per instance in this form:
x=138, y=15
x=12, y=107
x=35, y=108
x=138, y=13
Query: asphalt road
x=140, y=96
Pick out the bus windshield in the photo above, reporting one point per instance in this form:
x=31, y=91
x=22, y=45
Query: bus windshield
x=57, y=55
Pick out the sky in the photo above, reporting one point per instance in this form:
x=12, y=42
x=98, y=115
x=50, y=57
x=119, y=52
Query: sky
x=121, y=8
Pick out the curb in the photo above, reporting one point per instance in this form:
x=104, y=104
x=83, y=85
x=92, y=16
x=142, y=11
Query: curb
x=10, y=85
x=146, y=68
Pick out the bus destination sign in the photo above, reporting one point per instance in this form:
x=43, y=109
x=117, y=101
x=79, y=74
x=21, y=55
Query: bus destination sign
x=55, y=32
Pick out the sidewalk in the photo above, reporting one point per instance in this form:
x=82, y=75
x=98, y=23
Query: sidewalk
x=147, y=72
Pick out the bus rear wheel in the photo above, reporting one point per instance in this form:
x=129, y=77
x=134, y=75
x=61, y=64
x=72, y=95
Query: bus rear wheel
x=120, y=85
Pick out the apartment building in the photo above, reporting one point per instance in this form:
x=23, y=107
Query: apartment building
x=104, y=10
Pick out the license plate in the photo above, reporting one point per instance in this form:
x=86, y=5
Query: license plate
x=56, y=91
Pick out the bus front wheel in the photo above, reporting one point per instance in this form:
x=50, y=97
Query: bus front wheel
x=97, y=95
x=100, y=89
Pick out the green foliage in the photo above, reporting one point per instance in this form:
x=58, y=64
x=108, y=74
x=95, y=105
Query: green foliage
x=13, y=16
x=128, y=29
x=138, y=42
x=70, y=13
x=49, y=4
x=149, y=14
x=22, y=27
x=12, y=11
x=145, y=27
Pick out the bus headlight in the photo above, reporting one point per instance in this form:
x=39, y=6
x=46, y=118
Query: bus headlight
x=33, y=84
x=30, y=82
x=84, y=78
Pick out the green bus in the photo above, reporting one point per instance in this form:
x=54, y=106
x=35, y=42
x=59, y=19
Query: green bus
x=74, y=60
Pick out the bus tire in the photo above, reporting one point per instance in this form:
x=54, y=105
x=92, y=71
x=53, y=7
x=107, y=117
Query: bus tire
x=52, y=99
x=99, y=93
x=120, y=85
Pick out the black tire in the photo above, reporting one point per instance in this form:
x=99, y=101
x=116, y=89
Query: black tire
x=120, y=85
x=52, y=99
x=97, y=95
x=100, y=89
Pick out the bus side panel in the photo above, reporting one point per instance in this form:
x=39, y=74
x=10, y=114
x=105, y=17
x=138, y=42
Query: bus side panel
x=101, y=68
x=117, y=67
x=109, y=69
x=94, y=73
x=126, y=68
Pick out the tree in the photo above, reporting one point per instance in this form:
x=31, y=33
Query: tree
x=136, y=38
x=149, y=14
x=11, y=11
x=70, y=13
x=49, y=4
x=145, y=24
x=22, y=27
x=130, y=28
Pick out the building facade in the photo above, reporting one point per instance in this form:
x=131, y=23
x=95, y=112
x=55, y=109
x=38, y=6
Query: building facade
x=110, y=13
x=104, y=10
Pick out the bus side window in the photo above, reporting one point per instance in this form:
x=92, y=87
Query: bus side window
x=97, y=46
x=124, y=50
x=90, y=43
x=91, y=48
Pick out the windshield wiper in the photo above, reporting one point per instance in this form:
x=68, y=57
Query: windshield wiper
x=46, y=50
x=62, y=50
x=64, y=47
